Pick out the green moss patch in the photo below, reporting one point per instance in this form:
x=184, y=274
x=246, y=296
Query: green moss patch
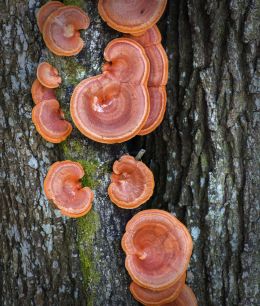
x=87, y=228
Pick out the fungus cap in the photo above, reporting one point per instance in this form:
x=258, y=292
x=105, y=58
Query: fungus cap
x=45, y=11
x=134, y=16
x=158, y=77
x=150, y=297
x=132, y=183
x=63, y=187
x=185, y=298
x=158, y=98
x=61, y=30
x=49, y=121
x=48, y=76
x=114, y=106
x=158, y=248
x=41, y=93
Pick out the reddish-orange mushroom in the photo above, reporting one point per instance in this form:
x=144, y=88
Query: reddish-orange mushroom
x=114, y=106
x=61, y=30
x=158, y=248
x=150, y=297
x=45, y=11
x=63, y=187
x=151, y=41
x=49, y=121
x=185, y=298
x=48, y=76
x=41, y=93
x=158, y=99
x=132, y=183
x=132, y=16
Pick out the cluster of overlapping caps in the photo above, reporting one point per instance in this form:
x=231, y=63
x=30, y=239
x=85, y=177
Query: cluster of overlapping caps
x=127, y=99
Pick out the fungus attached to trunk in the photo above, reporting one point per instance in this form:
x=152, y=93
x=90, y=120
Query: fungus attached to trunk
x=185, y=298
x=151, y=41
x=132, y=183
x=151, y=297
x=62, y=186
x=134, y=16
x=48, y=76
x=45, y=11
x=114, y=106
x=41, y=93
x=49, y=121
x=158, y=248
x=61, y=30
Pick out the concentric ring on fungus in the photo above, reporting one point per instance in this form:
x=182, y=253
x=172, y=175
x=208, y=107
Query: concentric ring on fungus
x=134, y=16
x=158, y=248
x=113, y=107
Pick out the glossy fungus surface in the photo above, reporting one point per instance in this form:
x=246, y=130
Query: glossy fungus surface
x=62, y=186
x=132, y=16
x=158, y=77
x=158, y=249
x=45, y=11
x=113, y=107
x=185, y=298
x=150, y=297
x=41, y=93
x=49, y=121
x=132, y=183
x=61, y=30
x=48, y=76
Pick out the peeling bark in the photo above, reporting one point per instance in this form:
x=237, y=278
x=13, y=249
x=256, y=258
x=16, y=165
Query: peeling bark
x=205, y=157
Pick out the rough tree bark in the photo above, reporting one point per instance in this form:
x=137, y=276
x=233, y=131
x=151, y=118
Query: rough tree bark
x=205, y=158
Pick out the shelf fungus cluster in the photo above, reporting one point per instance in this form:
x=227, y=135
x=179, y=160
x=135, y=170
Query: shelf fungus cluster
x=127, y=99
x=113, y=106
x=132, y=183
x=158, y=77
x=158, y=248
x=60, y=25
x=62, y=186
x=47, y=115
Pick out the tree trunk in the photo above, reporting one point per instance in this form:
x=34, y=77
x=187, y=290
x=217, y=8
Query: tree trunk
x=205, y=157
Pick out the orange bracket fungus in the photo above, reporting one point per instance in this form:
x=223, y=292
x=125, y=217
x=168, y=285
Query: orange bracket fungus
x=61, y=30
x=63, y=187
x=45, y=11
x=151, y=41
x=41, y=93
x=134, y=16
x=158, y=248
x=114, y=106
x=150, y=297
x=48, y=76
x=185, y=298
x=49, y=121
x=132, y=183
